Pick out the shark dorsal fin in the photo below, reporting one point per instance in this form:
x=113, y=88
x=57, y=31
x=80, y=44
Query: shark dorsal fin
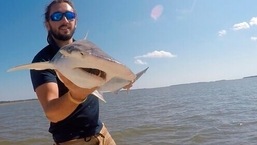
x=85, y=38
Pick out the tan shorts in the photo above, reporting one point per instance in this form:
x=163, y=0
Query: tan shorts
x=103, y=138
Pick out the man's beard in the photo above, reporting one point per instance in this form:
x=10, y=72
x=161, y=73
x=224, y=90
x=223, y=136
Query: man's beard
x=63, y=37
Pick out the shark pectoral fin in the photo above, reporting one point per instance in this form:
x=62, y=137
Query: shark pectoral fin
x=129, y=85
x=35, y=66
x=114, y=84
x=117, y=91
x=99, y=95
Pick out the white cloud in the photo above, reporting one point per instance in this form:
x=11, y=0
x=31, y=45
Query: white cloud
x=222, y=33
x=253, y=21
x=139, y=61
x=157, y=54
x=254, y=38
x=239, y=26
x=157, y=12
x=154, y=54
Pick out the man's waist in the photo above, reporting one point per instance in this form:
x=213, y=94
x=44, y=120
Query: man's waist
x=93, y=139
x=71, y=134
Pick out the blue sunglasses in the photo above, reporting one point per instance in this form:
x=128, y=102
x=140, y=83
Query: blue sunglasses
x=57, y=16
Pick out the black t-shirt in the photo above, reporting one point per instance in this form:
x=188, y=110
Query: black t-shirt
x=84, y=121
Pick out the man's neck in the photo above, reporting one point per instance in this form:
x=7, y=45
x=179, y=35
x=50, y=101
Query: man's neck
x=61, y=43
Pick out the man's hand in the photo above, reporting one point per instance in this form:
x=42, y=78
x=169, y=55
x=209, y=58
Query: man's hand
x=76, y=92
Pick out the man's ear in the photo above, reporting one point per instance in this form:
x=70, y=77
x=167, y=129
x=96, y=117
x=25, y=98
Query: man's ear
x=47, y=26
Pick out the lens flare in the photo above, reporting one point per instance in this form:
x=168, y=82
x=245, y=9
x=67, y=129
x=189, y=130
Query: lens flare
x=157, y=12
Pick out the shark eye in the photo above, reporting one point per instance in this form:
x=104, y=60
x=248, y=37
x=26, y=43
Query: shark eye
x=81, y=53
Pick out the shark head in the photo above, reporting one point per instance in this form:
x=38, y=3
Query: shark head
x=82, y=61
x=82, y=48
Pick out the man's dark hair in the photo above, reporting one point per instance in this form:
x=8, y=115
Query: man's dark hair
x=48, y=8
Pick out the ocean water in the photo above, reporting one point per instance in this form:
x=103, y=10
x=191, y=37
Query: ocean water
x=211, y=113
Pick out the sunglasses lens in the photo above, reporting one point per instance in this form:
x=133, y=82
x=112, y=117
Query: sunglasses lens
x=70, y=15
x=57, y=16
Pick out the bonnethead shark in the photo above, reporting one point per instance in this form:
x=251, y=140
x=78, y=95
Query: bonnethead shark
x=87, y=66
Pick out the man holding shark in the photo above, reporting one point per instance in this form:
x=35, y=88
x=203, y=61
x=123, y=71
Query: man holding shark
x=73, y=111
x=68, y=77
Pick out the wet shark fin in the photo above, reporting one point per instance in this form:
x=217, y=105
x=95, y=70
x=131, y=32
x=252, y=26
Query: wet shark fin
x=35, y=66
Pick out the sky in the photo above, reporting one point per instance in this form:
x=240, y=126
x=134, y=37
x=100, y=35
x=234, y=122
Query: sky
x=181, y=41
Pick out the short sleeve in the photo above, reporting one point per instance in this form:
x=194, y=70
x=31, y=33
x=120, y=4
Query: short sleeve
x=39, y=77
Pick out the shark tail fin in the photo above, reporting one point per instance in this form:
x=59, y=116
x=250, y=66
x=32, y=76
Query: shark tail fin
x=35, y=66
x=138, y=75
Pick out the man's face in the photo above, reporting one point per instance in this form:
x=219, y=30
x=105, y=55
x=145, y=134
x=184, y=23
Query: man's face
x=64, y=28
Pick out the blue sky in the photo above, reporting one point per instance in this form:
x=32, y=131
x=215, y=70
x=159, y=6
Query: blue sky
x=182, y=41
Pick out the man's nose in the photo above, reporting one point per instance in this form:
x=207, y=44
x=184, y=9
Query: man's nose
x=64, y=20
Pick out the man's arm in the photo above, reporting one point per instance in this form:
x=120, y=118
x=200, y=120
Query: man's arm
x=58, y=108
x=52, y=105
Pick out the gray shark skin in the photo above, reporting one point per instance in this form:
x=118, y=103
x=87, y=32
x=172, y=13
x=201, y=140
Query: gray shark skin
x=87, y=66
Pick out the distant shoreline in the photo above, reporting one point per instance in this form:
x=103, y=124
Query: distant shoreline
x=16, y=101
x=249, y=77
